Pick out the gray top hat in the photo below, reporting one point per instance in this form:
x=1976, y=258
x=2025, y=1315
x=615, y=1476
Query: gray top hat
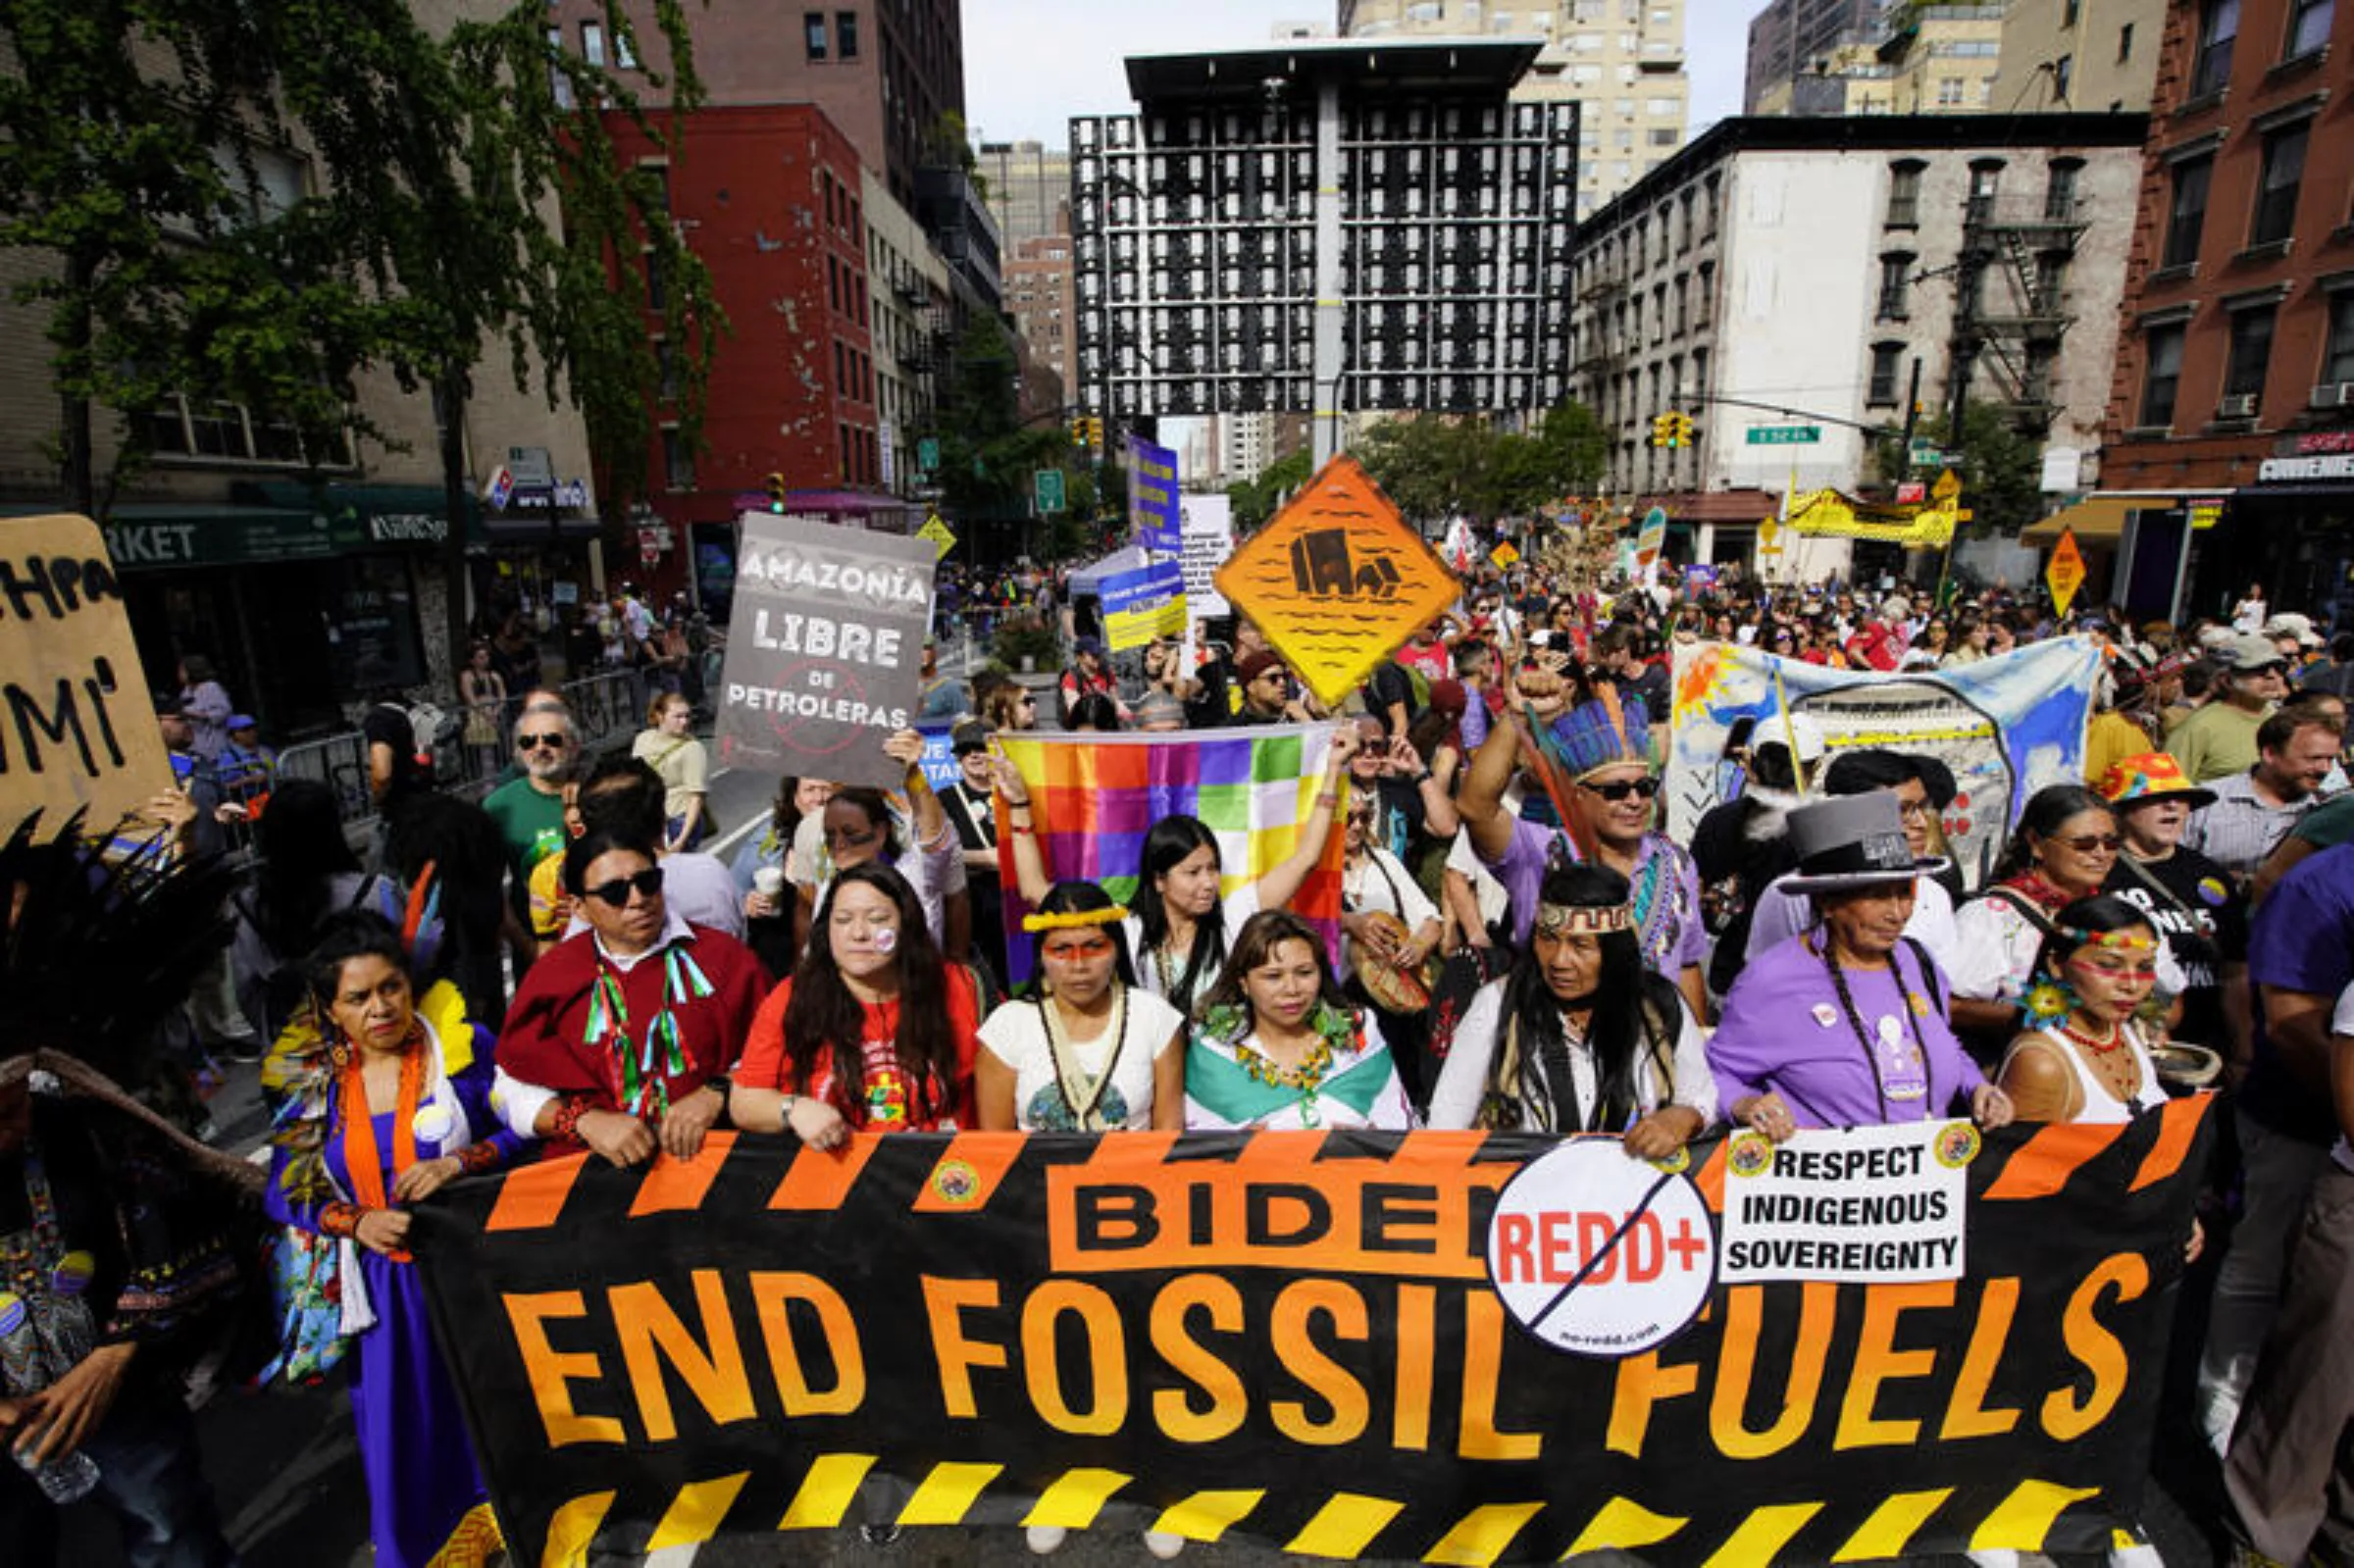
x=1853, y=842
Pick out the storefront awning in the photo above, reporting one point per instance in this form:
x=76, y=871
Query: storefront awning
x=2096, y=520
x=159, y=536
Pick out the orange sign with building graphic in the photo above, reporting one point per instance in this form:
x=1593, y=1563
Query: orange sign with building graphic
x=1338, y=580
x=2066, y=573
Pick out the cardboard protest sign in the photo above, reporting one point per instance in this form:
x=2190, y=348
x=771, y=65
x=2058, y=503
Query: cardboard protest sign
x=2005, y=727
x=77, y=732
x=1206, y=527
x=1306, y=1340
x=1338, y=580
x=824, y=650
x=1141, y=605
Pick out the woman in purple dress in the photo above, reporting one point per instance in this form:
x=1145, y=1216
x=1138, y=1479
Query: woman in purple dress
x=423, y=1075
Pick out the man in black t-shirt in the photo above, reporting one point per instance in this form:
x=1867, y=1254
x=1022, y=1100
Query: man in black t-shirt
x=394, y=770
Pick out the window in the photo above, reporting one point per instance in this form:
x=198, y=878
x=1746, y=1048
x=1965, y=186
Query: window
x=2211, y=66
x=1887, y=359
x=846, y=34
x=593, y=43
x=2251, y=351
x=2063, y=74
x=1664, y=135
x=657, y=292
x=2187, y=219
x=559, y=84
x=813, y=33
x=2338, y=358
x=677, y=459
x=625, y=53
x=2070, y=11
x=1896, y=276
x=178, y=428
x=1949, y=91
x=2161, y=375
x=2060, y=191
x=2277, y=195
x=2308, y=26
x=1904, y=196
x=2125, y=43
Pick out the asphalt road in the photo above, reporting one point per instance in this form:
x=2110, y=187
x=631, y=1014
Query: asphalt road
x=285, y=1469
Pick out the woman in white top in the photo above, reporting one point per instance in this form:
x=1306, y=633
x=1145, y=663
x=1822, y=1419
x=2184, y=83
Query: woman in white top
x=1180, y=927
x=2082, y=1059
x=1278, y=1047
x=1579, y=1038
x=1088, y=1051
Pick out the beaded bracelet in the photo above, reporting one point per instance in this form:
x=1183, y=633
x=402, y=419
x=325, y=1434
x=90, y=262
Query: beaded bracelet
x=567, y=1126
x=340, y=1220
x=476, y=1158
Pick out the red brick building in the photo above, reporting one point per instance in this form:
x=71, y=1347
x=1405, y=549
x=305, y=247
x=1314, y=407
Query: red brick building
x=2235, y=362
x=770, y=199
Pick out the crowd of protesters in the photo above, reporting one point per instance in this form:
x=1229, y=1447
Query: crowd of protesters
x=1523, y=946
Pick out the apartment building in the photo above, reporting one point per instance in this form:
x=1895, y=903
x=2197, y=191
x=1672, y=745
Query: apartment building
x=2079, y=54
x=1029, y=188
x=1039, y=297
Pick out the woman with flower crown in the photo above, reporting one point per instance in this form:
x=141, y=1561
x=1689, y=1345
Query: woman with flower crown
x=393, y=1105
x=2082, y=1059
x=1088, y=1050
x=1278, y=1047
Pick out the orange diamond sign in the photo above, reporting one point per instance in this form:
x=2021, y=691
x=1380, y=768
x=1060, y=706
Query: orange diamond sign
x=1338, y=580
x=2066, y=573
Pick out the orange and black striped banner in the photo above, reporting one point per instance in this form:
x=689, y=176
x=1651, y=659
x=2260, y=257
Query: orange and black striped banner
x=1288, y=1337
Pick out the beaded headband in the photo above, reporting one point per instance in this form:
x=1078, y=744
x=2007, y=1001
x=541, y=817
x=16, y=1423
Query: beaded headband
x=1076, y=918
x=2120, y=941
x=1583, y=920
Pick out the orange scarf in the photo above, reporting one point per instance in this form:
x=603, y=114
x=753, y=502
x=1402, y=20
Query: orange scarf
x=360, y=1155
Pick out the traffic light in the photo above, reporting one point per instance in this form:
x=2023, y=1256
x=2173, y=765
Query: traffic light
x=775, y=485
x=1663, y=429
x=1683, y=430
x=1079, y=432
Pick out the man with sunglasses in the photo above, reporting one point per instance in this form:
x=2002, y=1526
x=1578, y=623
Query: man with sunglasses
x=530, y=807
x=2219, y=738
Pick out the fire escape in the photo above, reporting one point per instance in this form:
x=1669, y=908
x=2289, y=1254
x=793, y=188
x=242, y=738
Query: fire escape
x=2012, y=305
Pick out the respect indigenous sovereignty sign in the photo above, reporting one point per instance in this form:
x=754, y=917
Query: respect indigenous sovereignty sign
x=2005, y=726
x=1338, y=580
x=824, y=650
x=1143, y=604
x=76, y=732
x=1292, y=1337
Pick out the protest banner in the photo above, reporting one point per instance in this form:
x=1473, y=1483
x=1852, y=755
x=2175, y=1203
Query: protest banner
x=1205, y=526
x=1871, y=1204
x=1152, y=496
x=1292, y=1337
x=2005, y=727
x=1141, y=605
x=1094, y=797
x=824, y=650
x=1338, y=580
x=79, y=729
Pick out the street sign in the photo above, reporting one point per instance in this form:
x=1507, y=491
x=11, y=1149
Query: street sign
x=1048, y=484
x=531, y=468
x=943, y=538
x=2205, y=513
x=2062, y=469
x=1945, y=489
x=1911, y=493
x=2066, y=573
x=1503, y=555
x=926, y=454
x=1928, y=454
x=1784, y=434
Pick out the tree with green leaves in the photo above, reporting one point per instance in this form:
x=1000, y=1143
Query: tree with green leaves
x=2000, y=470
x=1436, y=466
x=1255, y=501
x=132, y=140
x=989, y=453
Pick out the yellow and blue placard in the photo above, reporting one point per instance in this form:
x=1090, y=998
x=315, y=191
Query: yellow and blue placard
x=1143, y=604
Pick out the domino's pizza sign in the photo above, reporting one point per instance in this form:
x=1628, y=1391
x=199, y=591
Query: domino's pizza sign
x=1599, y=1254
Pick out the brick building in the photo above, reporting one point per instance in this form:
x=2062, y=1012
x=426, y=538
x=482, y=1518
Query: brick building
x=1037, y=295
x=2234, y=377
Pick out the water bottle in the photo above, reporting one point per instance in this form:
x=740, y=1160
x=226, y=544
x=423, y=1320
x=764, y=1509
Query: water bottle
x=63, y=1481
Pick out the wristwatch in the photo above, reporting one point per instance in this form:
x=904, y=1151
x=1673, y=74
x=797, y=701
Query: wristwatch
x=721, y=1082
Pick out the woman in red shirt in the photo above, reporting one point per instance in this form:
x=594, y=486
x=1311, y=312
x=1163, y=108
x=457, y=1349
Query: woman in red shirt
x=874, y=1031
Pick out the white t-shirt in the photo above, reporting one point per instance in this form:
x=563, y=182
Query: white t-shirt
x=1486, y=892
x=1237, y=906
x=1995, y=949
x=1381, y=882
x=1781, y=914
x=1463, y=1082
x=1015, y=1035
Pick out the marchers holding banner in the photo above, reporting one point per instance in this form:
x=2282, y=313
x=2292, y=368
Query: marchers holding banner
x=824, y=650
x=2005, y=726
x=1294, y=1336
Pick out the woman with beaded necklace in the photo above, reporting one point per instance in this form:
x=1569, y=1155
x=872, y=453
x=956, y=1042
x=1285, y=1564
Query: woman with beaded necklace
x=1088, y=1050
x=1845, y=1026
x=2081, y=1058
x=1278, y=1047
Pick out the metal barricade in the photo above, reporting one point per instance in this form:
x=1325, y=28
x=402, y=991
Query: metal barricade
x=339, y=761
x=607, y=707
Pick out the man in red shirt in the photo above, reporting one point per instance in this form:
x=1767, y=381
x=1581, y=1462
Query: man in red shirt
x=1879, y=643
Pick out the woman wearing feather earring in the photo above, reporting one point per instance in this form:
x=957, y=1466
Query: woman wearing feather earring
x=394, y=1106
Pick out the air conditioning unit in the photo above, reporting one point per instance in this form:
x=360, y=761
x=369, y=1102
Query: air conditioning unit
x=2334, y=394
x=2242, y=407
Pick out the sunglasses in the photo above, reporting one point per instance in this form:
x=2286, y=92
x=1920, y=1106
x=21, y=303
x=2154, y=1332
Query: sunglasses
x=617, y=891
x=1643, y=789
x=2086, y=844
x=552, y=742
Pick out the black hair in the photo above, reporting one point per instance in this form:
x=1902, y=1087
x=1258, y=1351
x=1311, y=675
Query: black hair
x=1630, y=1006
x=824, y=1022
x=459, y=846
x=2047, y=809
x=342, y=937
x=876, y=809
x=1077, y=898
x=583, y=852
x=625, y=794
x=1167, y=842
x=1860, y=772
x=1255, y=943
x=302, y=847
x=2095, y=916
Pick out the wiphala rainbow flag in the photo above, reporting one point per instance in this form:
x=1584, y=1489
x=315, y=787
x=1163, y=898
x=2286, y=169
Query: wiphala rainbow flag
x=1094, y=797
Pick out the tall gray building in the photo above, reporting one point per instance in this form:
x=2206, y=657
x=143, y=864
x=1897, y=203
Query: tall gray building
x=1028, y=190
x=1325, y=228
x=1788, y=38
